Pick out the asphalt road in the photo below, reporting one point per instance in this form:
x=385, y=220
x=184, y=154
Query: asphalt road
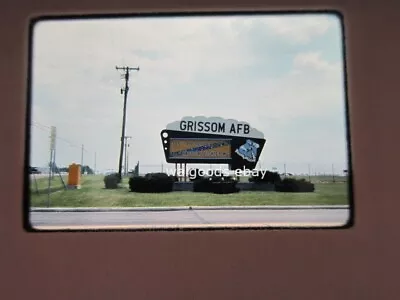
x=189, y=218
x=44, y=175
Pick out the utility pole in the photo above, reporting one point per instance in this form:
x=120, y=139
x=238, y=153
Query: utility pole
x=125, y=92
x=83, y=149
x=94, y=171
x=126, y=154
x=53, y=135
x=53, y=163
x=127, y=163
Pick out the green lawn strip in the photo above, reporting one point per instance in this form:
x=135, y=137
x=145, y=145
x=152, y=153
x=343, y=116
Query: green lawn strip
x=93, y=194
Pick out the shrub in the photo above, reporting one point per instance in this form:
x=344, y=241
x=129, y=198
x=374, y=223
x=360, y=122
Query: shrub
x=174, y=178
x=202, y=185
x=291, y=185
x=111, y=181
x=196, y=175
x=152, y=183
x=216, y=185
x=227, y=187
x=156, y=176
x=137, y=183
x=216, y=173
x=269, y=177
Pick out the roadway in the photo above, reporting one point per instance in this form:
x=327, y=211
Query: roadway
x=188, y=218
x=43, y=175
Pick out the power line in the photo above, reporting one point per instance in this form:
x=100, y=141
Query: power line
x=47, y=128
x=125, y=92
x=40, y=126
x=37, y=123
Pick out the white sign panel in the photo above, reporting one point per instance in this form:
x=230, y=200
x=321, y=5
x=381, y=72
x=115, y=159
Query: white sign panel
x=215, y=125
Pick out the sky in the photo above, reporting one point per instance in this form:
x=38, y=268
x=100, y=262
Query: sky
x=283, y=74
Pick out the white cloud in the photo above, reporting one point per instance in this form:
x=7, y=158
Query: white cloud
x=186, y=47
x=313, y=87
x=299, y=29
x=314, y=60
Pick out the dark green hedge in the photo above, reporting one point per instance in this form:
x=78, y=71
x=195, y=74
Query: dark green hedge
x=152, y=183
x=194, y=174
x=216, y=185
x=291, y=185
x=111, y=181
x=269, y=177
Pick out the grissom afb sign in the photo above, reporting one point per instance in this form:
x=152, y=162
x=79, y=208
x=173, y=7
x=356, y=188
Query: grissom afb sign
x=212, y=140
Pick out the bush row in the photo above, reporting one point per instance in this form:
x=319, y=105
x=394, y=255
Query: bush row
x=287, y=185
x=152, y=183
x=163, y=183
x=200, y=175
x=216, y=185
x=269, y=177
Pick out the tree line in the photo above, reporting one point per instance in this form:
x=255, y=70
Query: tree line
x=55, y=169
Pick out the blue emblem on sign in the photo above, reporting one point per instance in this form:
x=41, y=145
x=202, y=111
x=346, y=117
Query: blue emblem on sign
x=248, y=151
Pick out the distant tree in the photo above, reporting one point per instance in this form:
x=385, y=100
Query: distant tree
x=33, y=170
x=53, y=167
x=87, y=170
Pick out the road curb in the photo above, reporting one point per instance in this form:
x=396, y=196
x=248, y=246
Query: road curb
x=180, y=208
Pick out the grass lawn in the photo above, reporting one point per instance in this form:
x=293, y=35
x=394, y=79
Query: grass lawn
x=93, y=194
x=41, y=184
